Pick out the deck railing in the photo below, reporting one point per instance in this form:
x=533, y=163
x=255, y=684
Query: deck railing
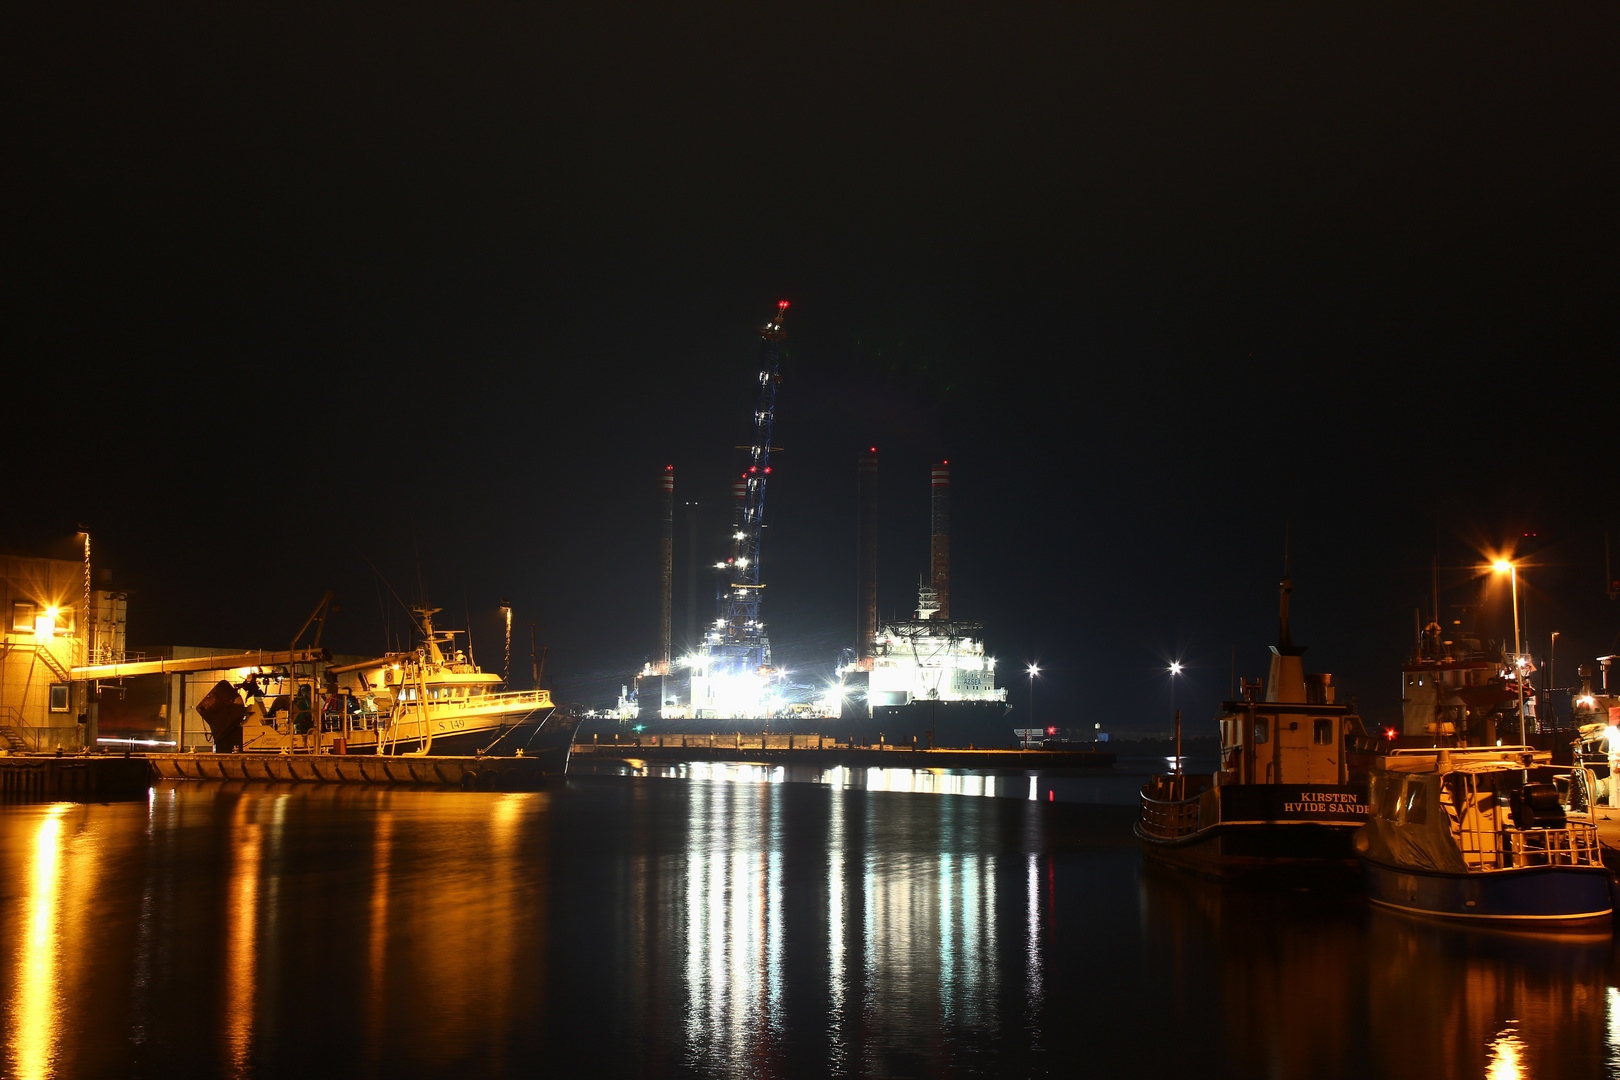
x=1166, y=815
x=1575, y=845
x=1514, y=849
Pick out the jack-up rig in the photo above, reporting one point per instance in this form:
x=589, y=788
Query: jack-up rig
x=729, y=674
x=929, y=677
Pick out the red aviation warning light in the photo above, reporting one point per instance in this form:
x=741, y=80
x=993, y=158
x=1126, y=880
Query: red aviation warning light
x=1051, y=731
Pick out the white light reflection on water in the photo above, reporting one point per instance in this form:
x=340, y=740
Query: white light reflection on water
x=874, y=778
x=733, y=924
x=1613, y=1010
x=1032, y=948
x=837, y=954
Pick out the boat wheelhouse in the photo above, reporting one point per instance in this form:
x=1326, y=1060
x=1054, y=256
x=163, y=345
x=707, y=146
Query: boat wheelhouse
x=1479, y=833
x=1287, y=795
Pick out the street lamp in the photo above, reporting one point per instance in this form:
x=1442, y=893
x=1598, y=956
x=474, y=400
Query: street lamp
x=1552, y=678
x=1175, y=669
x=1505, y=566
x=1032, y=671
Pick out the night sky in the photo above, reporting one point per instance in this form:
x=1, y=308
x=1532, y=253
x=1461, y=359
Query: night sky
x=422, y=298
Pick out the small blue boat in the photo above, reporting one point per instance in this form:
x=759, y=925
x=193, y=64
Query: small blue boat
x=1479, y=833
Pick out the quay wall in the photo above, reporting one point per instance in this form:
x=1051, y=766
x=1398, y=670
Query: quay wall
x=463, y=773
x=74, y=779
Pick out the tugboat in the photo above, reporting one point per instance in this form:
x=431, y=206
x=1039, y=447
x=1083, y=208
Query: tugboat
x=421, y=702
x=1287, y=797
x=1478, y=833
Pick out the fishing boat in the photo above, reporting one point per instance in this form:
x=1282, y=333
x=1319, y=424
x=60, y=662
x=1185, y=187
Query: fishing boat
x=433, y=700
x=1479, y=833
x=1287, y=796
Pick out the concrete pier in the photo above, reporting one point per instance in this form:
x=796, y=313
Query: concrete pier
x=797, y=749
x=464, y=773
x=79, y=778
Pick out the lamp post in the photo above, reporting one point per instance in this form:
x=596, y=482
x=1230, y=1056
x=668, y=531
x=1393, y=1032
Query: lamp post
x=1505, y=566
x=1175, y=669
x=1552, y=678
x=1032, y=671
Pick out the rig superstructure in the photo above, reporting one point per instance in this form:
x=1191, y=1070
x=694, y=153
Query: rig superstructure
x=927, y=676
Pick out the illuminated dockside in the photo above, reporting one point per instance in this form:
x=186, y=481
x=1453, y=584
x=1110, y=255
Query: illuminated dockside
x=928, y=677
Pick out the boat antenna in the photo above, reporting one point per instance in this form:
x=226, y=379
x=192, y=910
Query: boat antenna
x=1285, y=639
x=535, y=664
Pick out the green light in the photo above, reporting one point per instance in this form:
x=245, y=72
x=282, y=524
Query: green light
x=640, y=728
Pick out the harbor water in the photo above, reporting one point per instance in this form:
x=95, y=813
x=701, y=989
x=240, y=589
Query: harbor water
x=732, y=922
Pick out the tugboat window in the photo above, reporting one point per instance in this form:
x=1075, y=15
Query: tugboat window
x=1261, y=731
x=1389, y=798
x=1324, y=731
x=1416, y=809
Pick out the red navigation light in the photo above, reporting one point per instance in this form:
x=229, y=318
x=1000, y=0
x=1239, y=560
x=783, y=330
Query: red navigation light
x=669, y=468
x=1051, y=731
x=767, y=468
x=1389, y=733
x=874, y=449
x=782, y=303
x=947, y=461
x=753, y=468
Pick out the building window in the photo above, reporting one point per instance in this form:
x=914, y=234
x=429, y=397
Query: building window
x=1324, y=731
x=59, y=697
x=22, y=616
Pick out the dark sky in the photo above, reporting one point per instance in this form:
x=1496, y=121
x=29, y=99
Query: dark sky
x=438, y=289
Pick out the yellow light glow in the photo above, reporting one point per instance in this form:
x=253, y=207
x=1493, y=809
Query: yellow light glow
x=241, y=946
x=38, y=1000
x=1502, y=566
x=1507, y=1057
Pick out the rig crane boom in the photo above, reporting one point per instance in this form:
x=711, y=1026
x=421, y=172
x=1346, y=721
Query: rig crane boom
x=743, y=632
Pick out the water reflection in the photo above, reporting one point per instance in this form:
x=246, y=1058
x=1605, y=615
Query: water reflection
x=1507, y=1057
x=730, y=930
x=1314, y=983
x=732, y=923
x=241, y=918
x=36, y=1009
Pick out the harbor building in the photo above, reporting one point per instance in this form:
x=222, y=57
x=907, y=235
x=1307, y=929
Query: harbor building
x=54, y=621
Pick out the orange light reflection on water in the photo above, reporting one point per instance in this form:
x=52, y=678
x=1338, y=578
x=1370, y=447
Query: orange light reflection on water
x=1507, y=1057
x=241, y=959
x=34, y=1045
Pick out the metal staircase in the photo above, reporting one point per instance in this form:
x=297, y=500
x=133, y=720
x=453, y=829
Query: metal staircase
x=10, y=719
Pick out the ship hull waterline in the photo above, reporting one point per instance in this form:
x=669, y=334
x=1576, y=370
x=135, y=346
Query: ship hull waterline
x=1527, y=896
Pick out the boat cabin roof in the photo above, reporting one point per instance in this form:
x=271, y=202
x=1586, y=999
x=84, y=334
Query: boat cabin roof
x=1465, y=759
